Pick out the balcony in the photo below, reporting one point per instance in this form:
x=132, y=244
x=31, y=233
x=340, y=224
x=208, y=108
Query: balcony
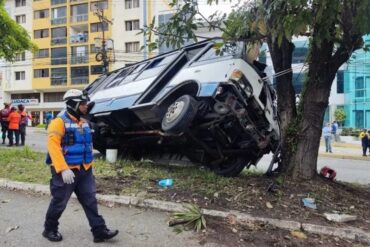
x=58, y=61
x=58, y=81
x=79, y=18
x=80, y=80
x=79, y=59
x=56, y=2
x=58, y=21
x=78, y=1
x=58, y=41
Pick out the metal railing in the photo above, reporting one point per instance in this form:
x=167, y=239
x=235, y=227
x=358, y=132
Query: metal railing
x=77, y=1
x=79, y=38
x=79, y=18
x=56, y=61
x=58, y=21
x=58, y=40
x=58, y=81
x=79, y=80
x=55, y=2
x=79, y=59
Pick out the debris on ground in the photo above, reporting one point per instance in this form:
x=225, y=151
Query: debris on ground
x=341, y=218
x=309, y=203
x=298, y=234
x=328, y=173
x=9, y=229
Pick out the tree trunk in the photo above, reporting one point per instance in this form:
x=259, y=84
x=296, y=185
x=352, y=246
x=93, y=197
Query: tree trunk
x=315, y=96
x=282, y=61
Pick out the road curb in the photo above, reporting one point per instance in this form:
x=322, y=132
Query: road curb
x=345, y=157
x=243, y=218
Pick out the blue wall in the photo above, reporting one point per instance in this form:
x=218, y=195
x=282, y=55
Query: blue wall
x=357, y=89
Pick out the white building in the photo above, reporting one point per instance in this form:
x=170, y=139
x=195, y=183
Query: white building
x=16, y=77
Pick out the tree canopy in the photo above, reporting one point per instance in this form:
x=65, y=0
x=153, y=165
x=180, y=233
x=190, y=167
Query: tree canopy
x=13, y=37
x=334, y=30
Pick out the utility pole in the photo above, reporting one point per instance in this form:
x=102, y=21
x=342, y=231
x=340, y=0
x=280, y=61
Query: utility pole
x=145, y=28
x=102, y=55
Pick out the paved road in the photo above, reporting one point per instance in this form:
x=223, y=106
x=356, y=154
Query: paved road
x=356, y=171
x=137, y=227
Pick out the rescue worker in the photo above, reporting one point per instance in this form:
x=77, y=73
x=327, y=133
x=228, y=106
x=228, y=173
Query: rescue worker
x=4, y=113
x=13, y=129
x=23, y=123
x=364, y=141
x=71, y=159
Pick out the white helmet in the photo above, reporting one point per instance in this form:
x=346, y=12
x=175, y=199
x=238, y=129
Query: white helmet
x=75, y=95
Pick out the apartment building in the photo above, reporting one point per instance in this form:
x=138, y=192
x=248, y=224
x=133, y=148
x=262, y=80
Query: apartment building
x=129, y=17
x=68, y=34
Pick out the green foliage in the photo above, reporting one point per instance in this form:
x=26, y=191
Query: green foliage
x=340, y=115
x=192, y=218
x=14, y=38
x=350, y=132
x=41, y=126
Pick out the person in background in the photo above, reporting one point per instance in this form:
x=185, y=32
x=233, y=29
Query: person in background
x=4, y=113
x=364, y=136
x=70, y=156
x=48, y=118
x=13, y=130
x=334, y=129
x=23, y=123
x=326, y=132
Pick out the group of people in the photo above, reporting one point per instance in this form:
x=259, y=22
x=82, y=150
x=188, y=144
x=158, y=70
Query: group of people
x=329, y=131
x=14, y=121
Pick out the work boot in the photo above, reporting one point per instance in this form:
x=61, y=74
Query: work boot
x=105, y=235
x=53, y=236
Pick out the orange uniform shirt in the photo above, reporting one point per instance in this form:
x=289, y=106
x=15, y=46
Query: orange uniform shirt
x=14, y=118
x=56, y=132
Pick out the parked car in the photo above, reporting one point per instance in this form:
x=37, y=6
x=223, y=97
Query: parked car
x=203, y=102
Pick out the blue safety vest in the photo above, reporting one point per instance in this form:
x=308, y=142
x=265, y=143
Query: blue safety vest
x=76, y=144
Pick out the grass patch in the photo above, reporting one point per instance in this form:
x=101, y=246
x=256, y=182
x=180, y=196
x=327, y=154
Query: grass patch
x=23, y=165
x=26, y=165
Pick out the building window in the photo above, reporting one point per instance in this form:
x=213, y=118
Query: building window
x=20, y=57
x=42, y=53
x=80, y=54
x=299, y=54
x=53, y=97
x=96, y=69
x=20, y=3
x=79, y=12
x=58, y=36
x=132, y=46
x=41, y=33
x=359, y=87
x=97, y=27
x=40, y=14
x=132, y=25
x=20, y=19
x=58, y=76
x=80, y=75
x=129, y=4
x=99, y=5
x=40, y=73
x=59, y=56
x=94, y=49
x=20, y=75
x=298, y=80
x=340, y=81
x=58, y=16
x=359, y=118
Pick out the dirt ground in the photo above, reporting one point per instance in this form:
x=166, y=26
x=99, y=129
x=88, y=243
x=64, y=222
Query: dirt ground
x=267, y=197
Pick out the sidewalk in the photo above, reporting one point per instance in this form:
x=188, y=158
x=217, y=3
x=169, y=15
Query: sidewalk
x=344, y=151
x=351, y=233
